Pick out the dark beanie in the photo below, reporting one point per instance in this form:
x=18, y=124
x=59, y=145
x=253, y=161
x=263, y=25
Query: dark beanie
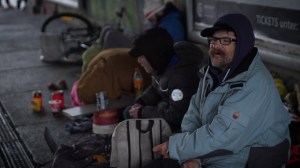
x=156, y=45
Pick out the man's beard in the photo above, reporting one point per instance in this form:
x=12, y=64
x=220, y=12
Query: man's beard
x=219, y=64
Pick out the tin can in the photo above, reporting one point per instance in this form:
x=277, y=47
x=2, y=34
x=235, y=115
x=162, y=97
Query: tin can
x=37, y=101
x=102, y=100
x=59, y=95
x=55, y=107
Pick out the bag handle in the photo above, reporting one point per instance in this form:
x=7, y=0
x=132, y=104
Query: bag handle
x=139, y=126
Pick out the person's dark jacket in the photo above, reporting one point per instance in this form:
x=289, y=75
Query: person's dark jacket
x=169, y=95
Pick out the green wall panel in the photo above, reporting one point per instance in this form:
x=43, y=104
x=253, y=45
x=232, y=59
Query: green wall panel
x=104, y=11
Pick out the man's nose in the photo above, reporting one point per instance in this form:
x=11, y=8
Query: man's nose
x=216, y=44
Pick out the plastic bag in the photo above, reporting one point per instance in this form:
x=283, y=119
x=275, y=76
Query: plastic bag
x=92, y=152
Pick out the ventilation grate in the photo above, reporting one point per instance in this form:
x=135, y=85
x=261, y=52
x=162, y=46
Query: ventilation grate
x=11, y=149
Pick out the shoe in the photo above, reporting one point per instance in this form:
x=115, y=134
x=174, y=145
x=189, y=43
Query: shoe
x=53, y=87
x=61, y=85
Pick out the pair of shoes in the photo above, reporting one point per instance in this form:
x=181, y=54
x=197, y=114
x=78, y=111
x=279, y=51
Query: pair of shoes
x=61, y=85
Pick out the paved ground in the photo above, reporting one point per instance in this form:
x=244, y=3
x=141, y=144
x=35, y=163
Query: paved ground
x=21, y=72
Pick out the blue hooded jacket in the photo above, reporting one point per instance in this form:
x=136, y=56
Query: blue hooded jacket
x=240, y=122
x=173, y=23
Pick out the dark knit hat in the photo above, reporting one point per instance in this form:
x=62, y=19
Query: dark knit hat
x=156, y=45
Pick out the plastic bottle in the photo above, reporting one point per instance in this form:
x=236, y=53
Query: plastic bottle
x=138, y=82
x=59, y=95
x=37, y=101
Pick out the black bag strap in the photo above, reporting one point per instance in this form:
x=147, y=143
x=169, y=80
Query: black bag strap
x=139, y=126
x=160, y=132
x=129, y=146
x=148, y=129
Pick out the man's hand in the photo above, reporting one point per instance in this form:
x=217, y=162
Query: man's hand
x=162, y=149
x=134, y=110
x=190, y=164
x=294, y=117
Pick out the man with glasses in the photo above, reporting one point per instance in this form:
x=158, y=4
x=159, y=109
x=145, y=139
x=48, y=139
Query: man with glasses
x=172, y=86
x=236, y=118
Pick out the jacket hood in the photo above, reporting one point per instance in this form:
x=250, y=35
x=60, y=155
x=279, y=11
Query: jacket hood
x=156, y=45
x=188, y=53
x=242, y=27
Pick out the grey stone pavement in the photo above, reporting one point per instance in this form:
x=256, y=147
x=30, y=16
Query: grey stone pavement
x=22, y=72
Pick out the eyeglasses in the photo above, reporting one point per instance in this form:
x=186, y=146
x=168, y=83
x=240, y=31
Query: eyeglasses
x=222, y=40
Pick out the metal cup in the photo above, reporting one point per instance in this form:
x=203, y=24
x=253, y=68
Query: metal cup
x=102, y=100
